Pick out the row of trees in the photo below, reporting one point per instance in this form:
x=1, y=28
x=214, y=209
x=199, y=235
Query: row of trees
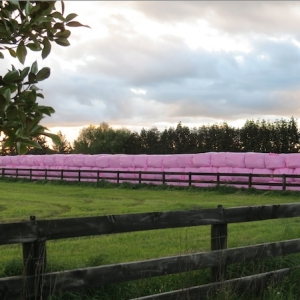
x=281, y=136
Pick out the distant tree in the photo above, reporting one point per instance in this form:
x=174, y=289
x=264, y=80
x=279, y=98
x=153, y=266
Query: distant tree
x=64, y=147
x=101, y=139
x=28, y=25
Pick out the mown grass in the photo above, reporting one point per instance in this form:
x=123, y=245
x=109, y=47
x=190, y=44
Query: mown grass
x=48, y=200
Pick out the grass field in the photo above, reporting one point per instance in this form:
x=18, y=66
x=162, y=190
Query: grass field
x=19, y=200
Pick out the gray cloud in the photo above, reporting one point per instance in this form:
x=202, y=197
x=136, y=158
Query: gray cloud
x=96, y=79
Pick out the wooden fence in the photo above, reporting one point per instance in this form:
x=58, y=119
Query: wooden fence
x=282, y=181
x=34, y=234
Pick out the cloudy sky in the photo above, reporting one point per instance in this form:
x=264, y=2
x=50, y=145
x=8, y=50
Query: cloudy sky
x=155, y=63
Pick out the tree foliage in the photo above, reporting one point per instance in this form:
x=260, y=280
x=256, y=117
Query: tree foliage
x=28, y=25
x=281, y=136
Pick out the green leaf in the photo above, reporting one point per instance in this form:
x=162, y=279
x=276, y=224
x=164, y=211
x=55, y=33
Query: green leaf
x=21, y=52
x=12, y=52
x=76, y=24
x=27, y=8
x=57, y=15
x=43, y=74
x=7, y=94
x=1, y=55
x=32, y=78
x=40, y=95
x=12, y=76
x=24, y=73
x=34, y=67
x=70, y=17
x=63, y=34
x=34, y=47
x=62, y=42
x=62, y=7
x=54, y=137
x=47, y=48
x=2, y=102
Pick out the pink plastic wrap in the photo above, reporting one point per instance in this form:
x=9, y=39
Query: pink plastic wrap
x=241, y=171
x=126, y=161
x=184, y=160
x=114, y=161
x=170, y=161
x=262, y=172
x=15, y=160
x=201, y=160
x=285, y=171
x=155, y=161
x=292, y=160
x=218, y=159
x=90, y=160
x=255, y=160
x=48, y=160
x=60, y=159
x=78, y=160
x=225, y=170
x=102, y=162
x=234, y=160
x=175, y=177
x=140, y=161
x=275, y=161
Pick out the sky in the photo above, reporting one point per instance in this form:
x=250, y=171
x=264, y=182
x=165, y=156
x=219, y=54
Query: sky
x=157, y=63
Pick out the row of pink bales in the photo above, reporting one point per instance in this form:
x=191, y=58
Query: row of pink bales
x=210, y=162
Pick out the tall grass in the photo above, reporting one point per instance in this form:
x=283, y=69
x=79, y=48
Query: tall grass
x=48, y=200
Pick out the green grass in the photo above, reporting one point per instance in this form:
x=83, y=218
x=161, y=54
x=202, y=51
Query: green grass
x=48, y=200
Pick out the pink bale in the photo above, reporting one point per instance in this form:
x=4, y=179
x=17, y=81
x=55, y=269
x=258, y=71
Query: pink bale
x=6, y=160
x=226, y=178
x=60, y=159
x=184, y=160
x=72, y=174
x=48, y=160
x=218, y=159
x=90, y=160
x=292, y=160
x=241, y=171
x=201, y=160
x=203, y=177
x=285, y=171
x=15, y=160
x=297, y=172
x=27, y=160
x=87, y=174
x=275, y=161
x=114, y=161
x=234, y=160
x=262, y=172
x=175, y=177
x=169, y=161
x=155, y=161
x=140, y=161
x=68, y=160
x=126, y=161
x=1, y=161
x=255, y=160
x=102, y=162
x=126, y=177
x=78, y=160
x=156, y=177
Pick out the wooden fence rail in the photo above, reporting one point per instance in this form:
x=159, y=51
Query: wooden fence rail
x=138, y=177
x=34, y=234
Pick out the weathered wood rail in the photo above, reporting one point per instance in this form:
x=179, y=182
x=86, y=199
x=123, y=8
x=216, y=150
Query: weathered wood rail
x=138, y=177
x=34, y=234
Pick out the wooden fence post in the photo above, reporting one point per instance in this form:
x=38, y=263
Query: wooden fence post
x=163, y=178
x=250, y=181
x=219, y=242
x=140, y=177
x=283, y=182
x=218, y=179
x=190, y=178
x=34, y=260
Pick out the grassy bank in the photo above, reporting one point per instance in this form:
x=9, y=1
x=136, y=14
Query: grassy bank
x=48, y=200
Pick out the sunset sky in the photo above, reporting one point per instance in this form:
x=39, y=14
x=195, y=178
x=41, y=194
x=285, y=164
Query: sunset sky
x=155, y=63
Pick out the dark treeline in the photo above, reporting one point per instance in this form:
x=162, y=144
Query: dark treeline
x=281, y=136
